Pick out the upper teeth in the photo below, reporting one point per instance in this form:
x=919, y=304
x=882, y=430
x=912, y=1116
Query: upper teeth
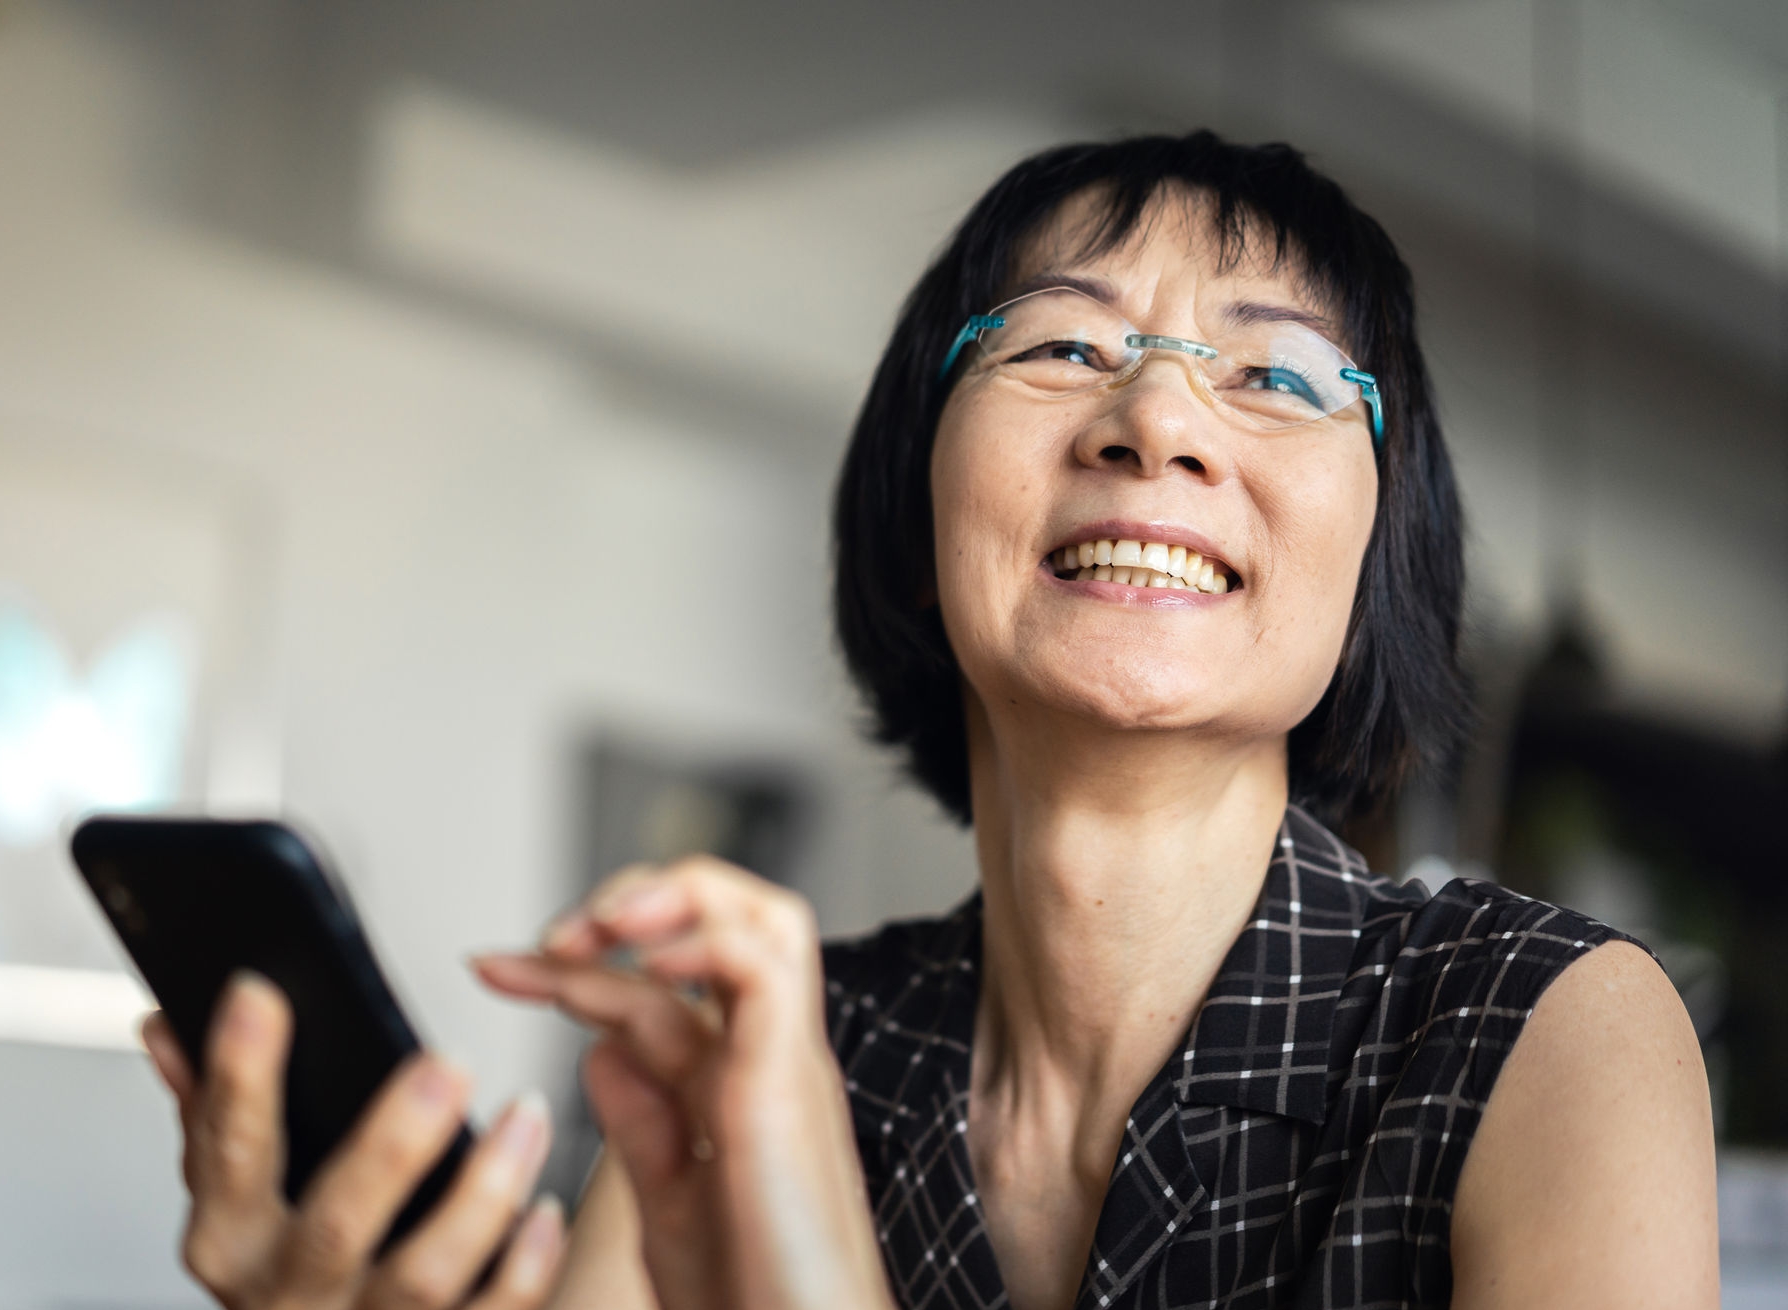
x=1142, y=564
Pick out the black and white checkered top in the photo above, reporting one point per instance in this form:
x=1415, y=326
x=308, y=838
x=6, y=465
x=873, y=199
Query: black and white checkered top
x=1300, y=1149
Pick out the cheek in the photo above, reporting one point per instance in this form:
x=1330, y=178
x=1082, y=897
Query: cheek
x=966, y=501
x=956, y=492
x=985, y=494
x=1319, y=527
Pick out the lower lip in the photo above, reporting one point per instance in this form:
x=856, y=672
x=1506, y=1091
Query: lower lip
x=1122, y=593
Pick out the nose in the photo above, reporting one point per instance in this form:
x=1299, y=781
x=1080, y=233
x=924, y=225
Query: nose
x=1160, y=419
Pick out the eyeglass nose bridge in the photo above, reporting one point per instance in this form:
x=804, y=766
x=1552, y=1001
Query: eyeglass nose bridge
x=1143, y=342
x=1149, y=341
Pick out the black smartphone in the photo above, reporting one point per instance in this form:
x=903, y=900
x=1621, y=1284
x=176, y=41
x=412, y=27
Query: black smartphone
x=194, y=900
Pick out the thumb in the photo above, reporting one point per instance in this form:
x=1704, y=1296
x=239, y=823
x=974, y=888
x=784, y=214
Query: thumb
x=165, y=1054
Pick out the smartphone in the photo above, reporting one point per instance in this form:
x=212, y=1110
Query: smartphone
x=194, y=900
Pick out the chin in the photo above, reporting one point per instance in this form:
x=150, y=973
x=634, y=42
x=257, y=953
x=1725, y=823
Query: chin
x=1142, y=699
x=1133, y=691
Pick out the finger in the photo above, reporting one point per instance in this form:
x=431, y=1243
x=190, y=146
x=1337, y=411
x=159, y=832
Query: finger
x=574, y=935
x=530, y=1266
x=167, y=1057
x=639, y=1116
x=519, y=975
x=238, y=1141
x=744, y=936
x=702, y=890
x=643, y=899
x=235, y=1135
x=652, y=898
x=740, y=958
x=351, y=1202
x=169, y=1062
x=577, y=934
x=658, y=903
x=731, y=955
x=766, y=1000
x=668, y=1034
x=436, y=1264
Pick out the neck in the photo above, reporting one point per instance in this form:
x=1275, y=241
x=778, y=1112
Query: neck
x=1117, y=869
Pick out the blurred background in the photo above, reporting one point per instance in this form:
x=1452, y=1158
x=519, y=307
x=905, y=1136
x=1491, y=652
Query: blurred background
x=387, y=440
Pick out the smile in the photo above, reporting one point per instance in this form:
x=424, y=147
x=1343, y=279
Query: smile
x=1144, y=564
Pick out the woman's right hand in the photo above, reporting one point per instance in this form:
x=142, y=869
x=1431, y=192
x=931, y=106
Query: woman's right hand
x=729, y=1113
x=255, y=1251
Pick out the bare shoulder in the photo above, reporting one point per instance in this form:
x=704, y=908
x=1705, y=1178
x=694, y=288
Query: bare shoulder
x=1590, y=1180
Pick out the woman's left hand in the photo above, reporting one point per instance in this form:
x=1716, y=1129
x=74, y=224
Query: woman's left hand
x=727, y=1108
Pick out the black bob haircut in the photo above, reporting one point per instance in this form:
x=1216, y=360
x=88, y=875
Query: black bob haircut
x=1398, y=698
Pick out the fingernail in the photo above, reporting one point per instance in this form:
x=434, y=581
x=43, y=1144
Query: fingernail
x=247, y=997
x=523, y=1126
x=156, y=1042
x=153, y=1037
x=250, y=980
x=633, y=900
x=565, y=931
x=545, y=1221
x=538, y=1241
x=436, y=1081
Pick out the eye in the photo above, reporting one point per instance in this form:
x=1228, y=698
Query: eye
x=1064, y=352
x=1286, y=381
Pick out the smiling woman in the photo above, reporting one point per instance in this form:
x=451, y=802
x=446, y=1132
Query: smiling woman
x=1148, y=559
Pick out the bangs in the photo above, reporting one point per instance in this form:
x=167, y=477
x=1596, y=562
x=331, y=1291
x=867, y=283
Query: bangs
x=1275, y=230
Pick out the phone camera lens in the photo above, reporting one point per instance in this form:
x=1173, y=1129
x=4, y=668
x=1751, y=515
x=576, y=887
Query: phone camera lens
x=124, y=906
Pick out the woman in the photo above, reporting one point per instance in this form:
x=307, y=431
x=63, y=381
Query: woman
x=1148, y=559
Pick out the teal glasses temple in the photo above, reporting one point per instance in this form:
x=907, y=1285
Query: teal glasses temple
x=977, y=324
x=1368, y=384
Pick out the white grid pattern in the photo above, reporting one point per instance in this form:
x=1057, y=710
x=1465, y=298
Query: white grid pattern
x=1302, y=1147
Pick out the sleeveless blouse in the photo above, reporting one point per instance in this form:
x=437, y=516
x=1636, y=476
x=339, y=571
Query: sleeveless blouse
x=1301, y=1148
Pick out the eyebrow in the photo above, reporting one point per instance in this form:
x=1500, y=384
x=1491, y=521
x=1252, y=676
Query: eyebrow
x=1240, y=313
x=1244, y=313
x=1096, y=288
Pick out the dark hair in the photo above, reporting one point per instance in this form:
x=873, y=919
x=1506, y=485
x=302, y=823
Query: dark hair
x=1398, y=697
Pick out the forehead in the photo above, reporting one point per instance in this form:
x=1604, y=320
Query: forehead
x=1176, y=240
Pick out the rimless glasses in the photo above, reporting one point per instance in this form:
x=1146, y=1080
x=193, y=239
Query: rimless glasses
x=1260, y=372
